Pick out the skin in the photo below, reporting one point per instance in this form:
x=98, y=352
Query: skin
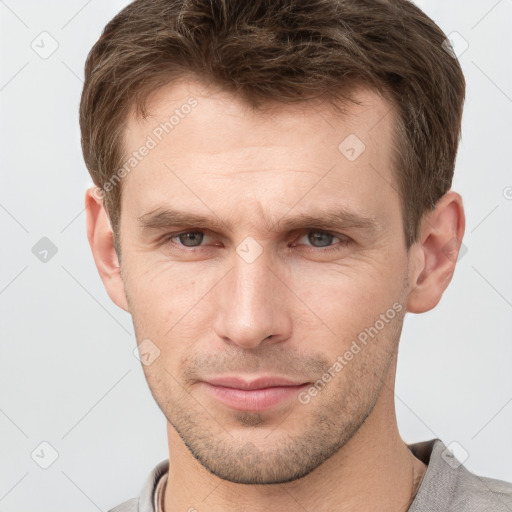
x=210, y=312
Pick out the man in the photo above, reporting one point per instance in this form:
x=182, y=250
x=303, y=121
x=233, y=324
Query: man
x=272, y=197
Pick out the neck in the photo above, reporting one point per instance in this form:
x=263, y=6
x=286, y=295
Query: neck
x=374, y=471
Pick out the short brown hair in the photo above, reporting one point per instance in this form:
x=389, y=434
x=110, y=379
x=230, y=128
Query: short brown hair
x=283, y=51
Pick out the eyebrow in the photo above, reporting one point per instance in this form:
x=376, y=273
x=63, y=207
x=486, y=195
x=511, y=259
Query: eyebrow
x=339, y=218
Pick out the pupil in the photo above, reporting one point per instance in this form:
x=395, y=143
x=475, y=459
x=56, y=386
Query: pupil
x=317, y=235
x=190, y=237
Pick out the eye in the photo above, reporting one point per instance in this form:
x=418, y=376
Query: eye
x=325, y=239
x=187, y=238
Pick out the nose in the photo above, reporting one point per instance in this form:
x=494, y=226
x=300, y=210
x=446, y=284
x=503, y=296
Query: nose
x=253, y=304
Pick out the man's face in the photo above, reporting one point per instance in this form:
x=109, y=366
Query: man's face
x=209, y=300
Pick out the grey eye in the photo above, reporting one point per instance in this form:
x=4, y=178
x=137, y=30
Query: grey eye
x=325, y=239
x=191, y=238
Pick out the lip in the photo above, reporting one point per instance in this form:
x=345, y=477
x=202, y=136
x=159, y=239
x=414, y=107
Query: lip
x=258, y=383
x=252, y=395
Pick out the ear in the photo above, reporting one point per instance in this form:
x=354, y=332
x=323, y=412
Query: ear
x=435, y=253
x=101, y=240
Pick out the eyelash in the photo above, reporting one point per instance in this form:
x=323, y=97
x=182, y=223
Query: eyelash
x=345, y=240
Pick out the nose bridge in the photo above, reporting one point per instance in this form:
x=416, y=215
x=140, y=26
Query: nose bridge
x=252, y=280
x=251, y=302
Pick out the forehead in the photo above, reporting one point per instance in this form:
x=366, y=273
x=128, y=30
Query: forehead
x=209, y=151
x=186, y=106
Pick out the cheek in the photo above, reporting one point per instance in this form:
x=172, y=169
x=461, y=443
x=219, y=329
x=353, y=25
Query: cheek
x=346, y=295
x=161, y=295
x=161, y=284
x=356, y=314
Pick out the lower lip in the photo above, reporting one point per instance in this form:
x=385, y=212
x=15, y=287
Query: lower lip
x=253, y=399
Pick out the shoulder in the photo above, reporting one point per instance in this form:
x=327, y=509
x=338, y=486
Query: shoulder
x=127, y=506
x=474, y=492
x=144, y=502
x=449, y=486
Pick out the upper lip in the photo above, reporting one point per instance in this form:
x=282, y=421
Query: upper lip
x=259, y=383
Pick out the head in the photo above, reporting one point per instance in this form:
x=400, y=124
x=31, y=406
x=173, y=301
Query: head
x=272, y=196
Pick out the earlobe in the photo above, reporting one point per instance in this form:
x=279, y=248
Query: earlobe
x=436, y=251
x=101, y=240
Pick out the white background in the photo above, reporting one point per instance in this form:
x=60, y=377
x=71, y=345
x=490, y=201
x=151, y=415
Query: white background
x=68, y=376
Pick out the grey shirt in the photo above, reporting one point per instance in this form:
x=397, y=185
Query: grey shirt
x=447, y=486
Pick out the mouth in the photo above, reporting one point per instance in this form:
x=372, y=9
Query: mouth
x=253, y=395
